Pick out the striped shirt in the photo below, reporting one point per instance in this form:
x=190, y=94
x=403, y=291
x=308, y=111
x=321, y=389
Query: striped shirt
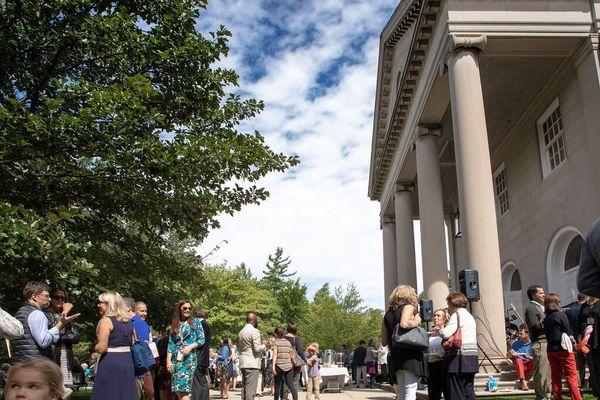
x=284, y=350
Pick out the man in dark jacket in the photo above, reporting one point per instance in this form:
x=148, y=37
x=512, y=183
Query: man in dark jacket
x=588, y=276
x=572, y=314
x=201, y=384
x=534, y=317
x=37, y=337
x=359, y=363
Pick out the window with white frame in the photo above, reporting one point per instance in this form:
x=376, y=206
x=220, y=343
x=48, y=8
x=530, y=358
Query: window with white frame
x=552, y=141
x=501, y=190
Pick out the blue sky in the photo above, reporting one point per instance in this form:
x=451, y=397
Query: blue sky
x=314, y=64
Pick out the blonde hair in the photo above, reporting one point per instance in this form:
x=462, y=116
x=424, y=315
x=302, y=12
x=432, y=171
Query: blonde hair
x=49, y=370
x=401, y=296
x=115, y=306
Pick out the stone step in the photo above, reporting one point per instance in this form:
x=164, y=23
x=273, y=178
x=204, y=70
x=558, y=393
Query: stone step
x=502, y=392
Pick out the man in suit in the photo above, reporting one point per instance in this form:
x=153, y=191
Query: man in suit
x=200, y=382
x=250, y=350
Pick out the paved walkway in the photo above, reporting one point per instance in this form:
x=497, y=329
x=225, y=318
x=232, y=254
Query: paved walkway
x=348, y=394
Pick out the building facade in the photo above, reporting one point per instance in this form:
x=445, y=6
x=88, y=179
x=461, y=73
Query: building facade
x=487, y=130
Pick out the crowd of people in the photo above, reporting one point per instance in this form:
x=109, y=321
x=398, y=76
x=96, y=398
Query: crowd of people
x=182, y=366
x=551, y=344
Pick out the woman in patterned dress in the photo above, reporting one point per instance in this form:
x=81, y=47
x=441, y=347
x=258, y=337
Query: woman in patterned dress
x=186, y=336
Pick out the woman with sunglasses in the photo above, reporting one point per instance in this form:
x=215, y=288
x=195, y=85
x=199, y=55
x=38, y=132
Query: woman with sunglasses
x=186, y=335
x=62, y=351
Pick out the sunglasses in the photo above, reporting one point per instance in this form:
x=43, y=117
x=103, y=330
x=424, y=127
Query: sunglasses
x=102, y=302
x=186, y=308
x=60, y=298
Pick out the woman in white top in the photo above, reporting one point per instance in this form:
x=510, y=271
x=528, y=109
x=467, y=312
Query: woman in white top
x=436, y=379
x=460, y=364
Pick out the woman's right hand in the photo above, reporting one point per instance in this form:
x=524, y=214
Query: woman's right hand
x=170, y=366
x=417, y=319
x=274, y=372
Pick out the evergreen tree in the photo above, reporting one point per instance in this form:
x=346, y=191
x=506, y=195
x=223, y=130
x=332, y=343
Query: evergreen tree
x=285, y=287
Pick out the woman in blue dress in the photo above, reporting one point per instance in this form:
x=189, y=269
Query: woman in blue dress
x=186, y=336
x=115, y=377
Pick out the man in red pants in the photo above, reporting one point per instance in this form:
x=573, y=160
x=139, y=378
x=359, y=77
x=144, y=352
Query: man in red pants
x=520, y=353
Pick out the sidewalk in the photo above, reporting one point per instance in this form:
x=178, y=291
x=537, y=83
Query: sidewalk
x=348, y=394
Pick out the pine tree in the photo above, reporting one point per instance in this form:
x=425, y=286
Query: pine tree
x=287, y=289
x=276, y=272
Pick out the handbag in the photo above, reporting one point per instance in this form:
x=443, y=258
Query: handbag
x=412, y=339
x=299, y=360
x=454, y=342
x=294, y=357
x=142, y=358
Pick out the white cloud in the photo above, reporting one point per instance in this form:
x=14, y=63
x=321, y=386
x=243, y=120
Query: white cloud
x=322, y=218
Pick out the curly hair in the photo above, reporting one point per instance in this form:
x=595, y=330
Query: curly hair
x=446, y=314
x=402, y=295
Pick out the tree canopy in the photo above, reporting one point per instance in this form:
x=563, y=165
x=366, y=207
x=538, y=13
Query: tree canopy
x=119, y=144
x=340, y=318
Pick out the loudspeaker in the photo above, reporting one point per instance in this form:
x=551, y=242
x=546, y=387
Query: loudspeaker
x=426, y=309
x=468, y=281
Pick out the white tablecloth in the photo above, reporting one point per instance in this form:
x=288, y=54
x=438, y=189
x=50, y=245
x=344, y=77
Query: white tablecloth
x=332, y=377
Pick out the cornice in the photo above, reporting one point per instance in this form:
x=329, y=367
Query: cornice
x=388, y=136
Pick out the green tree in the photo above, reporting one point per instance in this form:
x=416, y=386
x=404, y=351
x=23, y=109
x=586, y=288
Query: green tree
x=286, y=288
x=228, y=293
x=119, y=141
x=340, y=318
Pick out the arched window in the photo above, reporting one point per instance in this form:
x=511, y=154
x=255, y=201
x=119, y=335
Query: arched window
x=563, y=263
x=573, y=253
x=515, y=281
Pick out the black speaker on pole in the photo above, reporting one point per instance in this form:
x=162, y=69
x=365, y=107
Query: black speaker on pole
x=426, y=309
x=468, y=282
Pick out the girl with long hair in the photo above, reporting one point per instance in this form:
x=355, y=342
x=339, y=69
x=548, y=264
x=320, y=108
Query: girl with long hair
x=562, y=361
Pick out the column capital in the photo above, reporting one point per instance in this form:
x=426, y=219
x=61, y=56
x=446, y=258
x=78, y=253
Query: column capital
x=386, y=220
x=428, y=130
x=475, y=42
x=405, y=187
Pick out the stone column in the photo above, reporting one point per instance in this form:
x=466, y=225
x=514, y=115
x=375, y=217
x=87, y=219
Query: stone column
x=475, y=190
x=449, y=220
x=405, y=238
x=390, y=274
x=431, y=215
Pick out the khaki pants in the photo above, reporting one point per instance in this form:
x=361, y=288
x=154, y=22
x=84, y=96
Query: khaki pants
x=313, y=383
x=541, y=370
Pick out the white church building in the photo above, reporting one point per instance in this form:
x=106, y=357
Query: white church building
x=487, y=122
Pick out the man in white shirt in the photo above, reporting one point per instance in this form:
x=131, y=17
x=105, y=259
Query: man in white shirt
x=37, y=338
x=250, y=349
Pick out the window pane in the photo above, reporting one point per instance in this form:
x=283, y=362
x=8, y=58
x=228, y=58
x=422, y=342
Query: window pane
x=515, y=281
x=573, y=253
